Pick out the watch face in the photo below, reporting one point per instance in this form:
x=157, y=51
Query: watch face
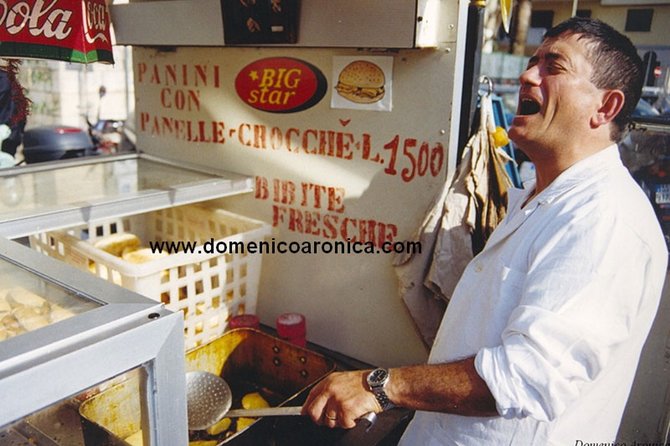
x=377, y=377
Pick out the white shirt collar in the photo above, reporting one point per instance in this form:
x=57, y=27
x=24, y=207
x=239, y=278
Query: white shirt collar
x=585, y=169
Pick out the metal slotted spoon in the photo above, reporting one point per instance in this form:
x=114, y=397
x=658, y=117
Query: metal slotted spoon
x=208, y=399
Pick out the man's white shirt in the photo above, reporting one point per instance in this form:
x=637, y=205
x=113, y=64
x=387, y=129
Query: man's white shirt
x=556, y=310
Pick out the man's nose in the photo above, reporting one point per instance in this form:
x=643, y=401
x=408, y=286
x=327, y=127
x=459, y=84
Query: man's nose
x=530, y=76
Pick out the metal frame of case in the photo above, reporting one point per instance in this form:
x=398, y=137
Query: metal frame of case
x=45, y=366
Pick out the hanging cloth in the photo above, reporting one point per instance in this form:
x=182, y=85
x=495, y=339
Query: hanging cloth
x=14, y=105
x=490, y=180
x=455, y=228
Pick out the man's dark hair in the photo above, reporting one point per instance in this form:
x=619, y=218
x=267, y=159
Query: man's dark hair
x=616, y=64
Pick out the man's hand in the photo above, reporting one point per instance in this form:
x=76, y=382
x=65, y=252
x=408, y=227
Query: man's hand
x=340, y=399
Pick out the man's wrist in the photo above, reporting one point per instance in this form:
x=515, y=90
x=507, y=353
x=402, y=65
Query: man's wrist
x=377, y=381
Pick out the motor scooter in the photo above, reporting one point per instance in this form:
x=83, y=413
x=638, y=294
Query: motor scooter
x=111, y=136
x=55, y=142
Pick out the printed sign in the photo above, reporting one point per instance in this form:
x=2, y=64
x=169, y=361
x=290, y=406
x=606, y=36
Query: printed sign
x=280, y=85
x=362, y=83
x=69, y=30
x=323, y=177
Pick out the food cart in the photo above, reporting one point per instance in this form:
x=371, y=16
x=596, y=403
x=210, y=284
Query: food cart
x=322, y=165
x=333, y=123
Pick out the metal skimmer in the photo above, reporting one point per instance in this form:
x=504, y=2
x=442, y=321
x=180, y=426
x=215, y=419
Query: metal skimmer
x=208, y=399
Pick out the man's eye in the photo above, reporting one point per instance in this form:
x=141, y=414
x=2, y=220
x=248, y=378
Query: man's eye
x=554, y=68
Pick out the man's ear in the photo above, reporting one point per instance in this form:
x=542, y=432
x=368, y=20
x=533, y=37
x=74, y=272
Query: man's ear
x=611, y=105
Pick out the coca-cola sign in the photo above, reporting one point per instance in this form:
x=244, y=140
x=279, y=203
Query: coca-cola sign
x=72, y=30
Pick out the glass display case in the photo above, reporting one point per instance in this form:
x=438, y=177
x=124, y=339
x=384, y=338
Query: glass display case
x=65, y=331
x=66, y=193
x=66, y=335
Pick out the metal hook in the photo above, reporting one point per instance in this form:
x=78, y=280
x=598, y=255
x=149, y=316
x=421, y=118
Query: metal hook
x=489, y=83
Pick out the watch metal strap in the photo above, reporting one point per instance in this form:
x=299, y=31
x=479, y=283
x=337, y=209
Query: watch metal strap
x=382, y=398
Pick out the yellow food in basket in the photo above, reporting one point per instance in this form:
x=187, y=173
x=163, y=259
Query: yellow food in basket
x=141, y=255
x=254, y=400
x=116, y=243
x=203, y=443
x=220, y=426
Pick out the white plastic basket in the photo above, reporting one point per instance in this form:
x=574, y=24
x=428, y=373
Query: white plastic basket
x=208, y=288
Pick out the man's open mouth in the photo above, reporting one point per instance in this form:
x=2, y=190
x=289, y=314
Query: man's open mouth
x=528, y=106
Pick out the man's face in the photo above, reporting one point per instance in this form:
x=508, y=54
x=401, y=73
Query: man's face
x=557, y=98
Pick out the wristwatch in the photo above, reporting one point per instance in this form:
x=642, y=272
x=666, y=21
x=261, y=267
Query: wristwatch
x=377, y=379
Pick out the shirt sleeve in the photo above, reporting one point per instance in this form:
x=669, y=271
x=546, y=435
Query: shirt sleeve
x=580, y=297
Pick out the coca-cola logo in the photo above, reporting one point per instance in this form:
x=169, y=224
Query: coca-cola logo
x=36, y=17
x=280, y=85
x=72, y=30
x=95, y=21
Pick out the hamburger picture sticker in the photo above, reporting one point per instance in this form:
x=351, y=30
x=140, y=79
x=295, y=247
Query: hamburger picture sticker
x=362, y=83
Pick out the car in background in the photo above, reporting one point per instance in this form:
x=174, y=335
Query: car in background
x=663, y=105
x=653, y=109
x=645, y=109
x=648, y=139
x=56, y=142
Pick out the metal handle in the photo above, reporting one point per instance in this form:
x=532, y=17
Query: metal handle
x=264, y=412
x=369, y=417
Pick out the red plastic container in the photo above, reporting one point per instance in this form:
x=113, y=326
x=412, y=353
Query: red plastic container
x=292, y=327
x=244, y=321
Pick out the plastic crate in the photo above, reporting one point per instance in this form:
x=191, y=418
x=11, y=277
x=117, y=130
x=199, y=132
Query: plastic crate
x=208, y=288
